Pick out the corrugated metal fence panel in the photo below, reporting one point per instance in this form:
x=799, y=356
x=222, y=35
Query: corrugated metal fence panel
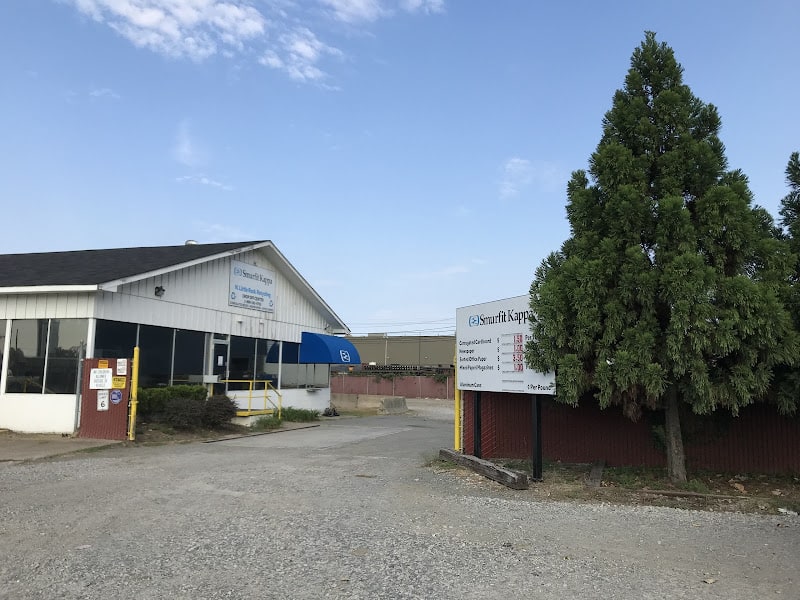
x=408, y=387
x=758, y=440
x=587, y=434
x=110, y=423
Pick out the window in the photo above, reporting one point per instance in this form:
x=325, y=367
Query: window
x=113, y=339
x=295, y=374
x=155, y=355
x=26, y=356
x=30, y=355
x=266, y=371
x=2, y=339
x=189, y=353
x=242, y=362
x=67, y=347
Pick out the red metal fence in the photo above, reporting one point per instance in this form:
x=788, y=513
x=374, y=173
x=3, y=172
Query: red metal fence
x=758, y=440
x=414, y=386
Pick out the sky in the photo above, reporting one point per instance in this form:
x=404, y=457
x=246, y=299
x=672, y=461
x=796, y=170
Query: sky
x=408, y=157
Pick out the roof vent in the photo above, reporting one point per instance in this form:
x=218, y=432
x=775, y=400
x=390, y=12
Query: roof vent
x=190, y=243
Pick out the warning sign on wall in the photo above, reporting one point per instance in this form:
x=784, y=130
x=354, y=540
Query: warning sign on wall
x=100, y=379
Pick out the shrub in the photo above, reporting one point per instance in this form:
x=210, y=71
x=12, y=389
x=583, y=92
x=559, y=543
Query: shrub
x=265, y=423
x=153, y=401
x=183, y=413
x=299, y=415
x=218, y=411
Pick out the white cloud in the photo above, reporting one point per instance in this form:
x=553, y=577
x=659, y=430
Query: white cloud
x=298, y=53
x=424, y=6
x=194, y=29
x=186, y=150
x=204, y=180
x=354, y=11
x=277, y=32
x=359, y=11
x=104, y=93
x=519, y=173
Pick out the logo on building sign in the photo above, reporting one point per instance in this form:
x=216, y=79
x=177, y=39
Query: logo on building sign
x=344, y=355
x=474, y=320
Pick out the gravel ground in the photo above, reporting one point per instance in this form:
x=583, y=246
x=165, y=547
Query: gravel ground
x=349, y=510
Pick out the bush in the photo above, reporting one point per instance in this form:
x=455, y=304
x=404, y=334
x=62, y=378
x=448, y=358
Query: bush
x=183, y=413
x=299, y=415
x=153, y=401
x=218, y=411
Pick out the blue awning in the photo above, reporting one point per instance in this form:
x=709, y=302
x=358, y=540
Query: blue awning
x=327, y=349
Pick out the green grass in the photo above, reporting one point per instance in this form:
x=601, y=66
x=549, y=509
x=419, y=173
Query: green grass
x=634, y=477
x=299, y=415
x=267, y=423
x=697, y=486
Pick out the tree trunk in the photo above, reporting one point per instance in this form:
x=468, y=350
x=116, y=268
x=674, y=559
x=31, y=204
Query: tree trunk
x=676, y=459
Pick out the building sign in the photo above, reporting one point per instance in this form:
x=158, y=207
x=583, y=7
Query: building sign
x=490, y=344
x=251, y=287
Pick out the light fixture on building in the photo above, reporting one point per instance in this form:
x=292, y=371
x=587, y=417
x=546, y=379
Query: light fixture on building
x=159, y=291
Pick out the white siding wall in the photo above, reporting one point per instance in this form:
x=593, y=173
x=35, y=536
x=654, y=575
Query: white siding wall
x=196, y=298
x=38, y=413
x=296, y=398
x=44, y=306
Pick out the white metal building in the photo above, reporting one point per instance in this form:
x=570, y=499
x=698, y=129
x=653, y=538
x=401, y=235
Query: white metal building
x=234, y=312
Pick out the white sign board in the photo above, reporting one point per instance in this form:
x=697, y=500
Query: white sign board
x=251, y=287
x=100, y=379
x=122, y=366
x=102, y=399
x=490, y=343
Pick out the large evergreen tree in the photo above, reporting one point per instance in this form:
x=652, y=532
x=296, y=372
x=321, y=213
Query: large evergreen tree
x=787, y=383
x=669, y=290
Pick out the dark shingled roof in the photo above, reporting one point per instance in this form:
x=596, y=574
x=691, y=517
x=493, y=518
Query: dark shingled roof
x=90, y=267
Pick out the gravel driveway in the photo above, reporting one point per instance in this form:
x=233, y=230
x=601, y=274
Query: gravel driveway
x=348, y=510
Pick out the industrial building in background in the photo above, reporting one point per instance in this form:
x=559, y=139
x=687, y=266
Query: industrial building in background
x=414, y=353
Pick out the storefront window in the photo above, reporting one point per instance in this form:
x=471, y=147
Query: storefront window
x=155, y=355
x=189, y=355
x=26, y=356
x=67, y=347
x=29, y=355
x=113, y=339
x=2, y=342
x=266, y=371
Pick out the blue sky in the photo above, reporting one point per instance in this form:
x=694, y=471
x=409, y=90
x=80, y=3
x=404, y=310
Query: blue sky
x=407, y=156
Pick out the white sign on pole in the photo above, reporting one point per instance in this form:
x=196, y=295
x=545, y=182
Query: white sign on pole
x=102, y=399
x=251, y=287
x=100, y=379
x=490, y=343
x=122, y=366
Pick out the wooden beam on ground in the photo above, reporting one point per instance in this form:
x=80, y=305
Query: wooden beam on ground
x=509, y=478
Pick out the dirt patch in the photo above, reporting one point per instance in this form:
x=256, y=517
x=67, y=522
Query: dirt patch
x=766, y=494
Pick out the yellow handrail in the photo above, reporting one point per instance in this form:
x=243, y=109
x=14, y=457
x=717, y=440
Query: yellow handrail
x=267, y=388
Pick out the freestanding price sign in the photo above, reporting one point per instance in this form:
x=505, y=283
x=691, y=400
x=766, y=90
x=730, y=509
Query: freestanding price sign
x=490, y=356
